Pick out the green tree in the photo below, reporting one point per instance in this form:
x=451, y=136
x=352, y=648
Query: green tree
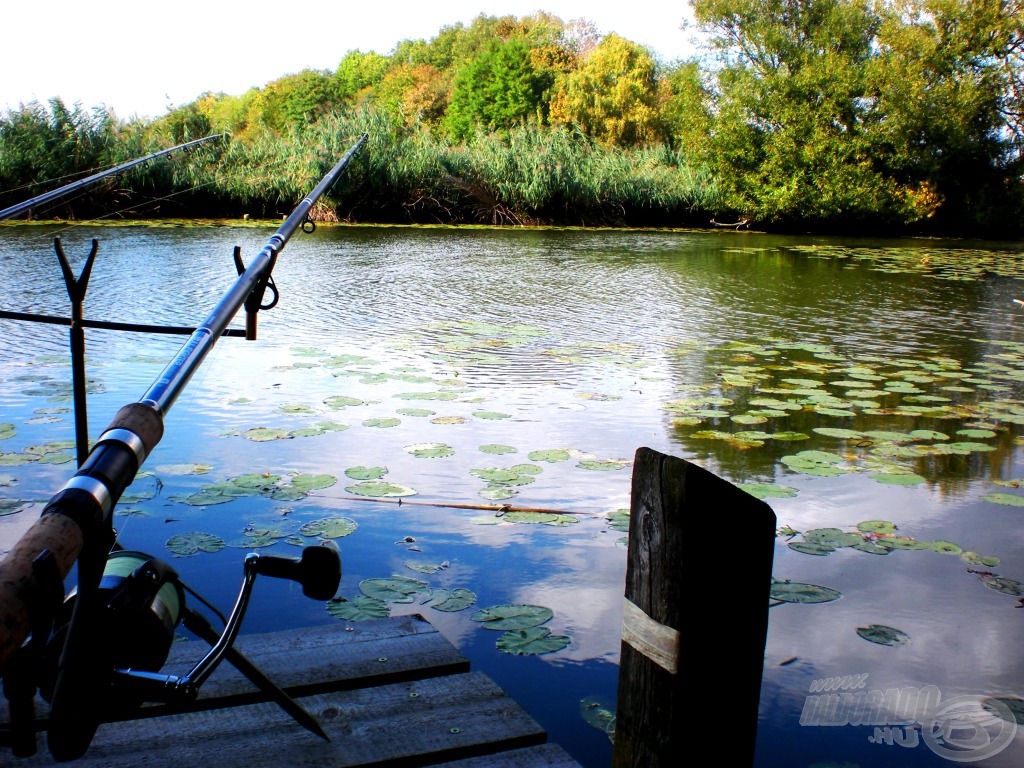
x=413, y=93
x=294, y=100
x=947, y=92
x=613, y=95
x=358, y=72
x=497, y=89
x=788, y=137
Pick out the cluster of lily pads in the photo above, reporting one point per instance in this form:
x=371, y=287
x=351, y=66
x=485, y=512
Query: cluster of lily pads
x=960, y=264
x=523, y=633
x=875, y=537
x=791, y=392
x=256, y=537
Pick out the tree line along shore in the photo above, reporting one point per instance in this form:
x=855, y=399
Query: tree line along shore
x=843, y=116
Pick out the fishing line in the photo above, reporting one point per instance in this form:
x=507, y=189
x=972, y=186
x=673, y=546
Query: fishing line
x=497, y=508
x=69, y=226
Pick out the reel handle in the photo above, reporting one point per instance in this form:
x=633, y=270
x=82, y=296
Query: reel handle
x=318, y=570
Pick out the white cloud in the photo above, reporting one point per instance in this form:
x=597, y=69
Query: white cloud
x=141, y=58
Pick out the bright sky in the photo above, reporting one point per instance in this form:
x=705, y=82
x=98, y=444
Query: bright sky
x=141, y=58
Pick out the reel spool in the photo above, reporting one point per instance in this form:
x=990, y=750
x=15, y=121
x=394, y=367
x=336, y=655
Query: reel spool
x=144, y=604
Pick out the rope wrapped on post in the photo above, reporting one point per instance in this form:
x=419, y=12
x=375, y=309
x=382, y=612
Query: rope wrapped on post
x=79, y=516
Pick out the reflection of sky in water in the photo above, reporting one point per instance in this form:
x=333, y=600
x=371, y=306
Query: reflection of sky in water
x=579, y=340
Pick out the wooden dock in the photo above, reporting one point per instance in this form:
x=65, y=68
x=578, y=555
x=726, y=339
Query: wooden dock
x=388, y=692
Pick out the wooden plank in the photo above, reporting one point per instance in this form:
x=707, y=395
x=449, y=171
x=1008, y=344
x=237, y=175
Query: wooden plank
x=416, y=723
x=326, y=658
x=543, y=756
x=694, y=631
x=389, y=692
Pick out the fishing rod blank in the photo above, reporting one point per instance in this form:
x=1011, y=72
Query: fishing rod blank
x=76, y=527
x=67, y=189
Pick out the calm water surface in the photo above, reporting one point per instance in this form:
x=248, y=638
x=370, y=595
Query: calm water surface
x=869, y=391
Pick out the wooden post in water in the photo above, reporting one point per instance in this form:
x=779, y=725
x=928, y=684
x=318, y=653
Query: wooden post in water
x=695, y=618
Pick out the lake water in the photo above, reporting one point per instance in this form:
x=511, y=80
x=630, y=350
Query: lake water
x=870, y=392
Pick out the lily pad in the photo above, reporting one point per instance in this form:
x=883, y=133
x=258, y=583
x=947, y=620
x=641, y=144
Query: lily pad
x=366, y=473
x=397, y=589
x=457, y=599
x=379, y=489
x=497, y=449
x=531, y=641
x=542, y=518
x=550, y=455
x=265, y=434
x=12, y=506
x=512, y=616
x=799, y=592
x=360, y=608
x=383, y=422
x=186, y=544
x=1009, y=708
x=897, y=478
x=1007, y=499
x=430, y=450
x=883, y=635
x=329, y=527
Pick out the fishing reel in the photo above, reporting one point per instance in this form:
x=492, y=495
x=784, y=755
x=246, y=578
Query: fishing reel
x=101, y=658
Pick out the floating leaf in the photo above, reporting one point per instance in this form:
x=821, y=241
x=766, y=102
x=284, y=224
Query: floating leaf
x=264, y=434
x=811, y=548
x=946, y=547
x=973, y=558
x=599, y=715
x=397, y=589
x=416, y=412
x=12, y=506
x=897, y=478
x=1007, y=499
x=342, y=401
x=329, y=527
x=360, y=608
x=799, y=592
x=883, y=635
x=514, y=616
x=531, y=641
x=543, y=518
x=876, y=526
x=366, y=473
x=550, y=455
x=769, y=490
x=307, y=482
x=1003, y=584
x=425, y=567
x=458, y=599
x=382, y=422
x=619, y=520
x=185, y=544
x=1009, y=708
x=430, y=450
x=498, y=492
x=491, y=415
x=604, y=464
x=504, y=475
x=6, y=431
x=495, y=448
x=379, y=489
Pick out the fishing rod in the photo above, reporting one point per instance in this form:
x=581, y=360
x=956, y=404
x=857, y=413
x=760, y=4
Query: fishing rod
x=67, y=189
x=91, y=656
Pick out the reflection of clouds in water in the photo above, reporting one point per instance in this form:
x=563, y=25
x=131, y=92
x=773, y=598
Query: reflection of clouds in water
x=963, y=635
x=590, y=613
